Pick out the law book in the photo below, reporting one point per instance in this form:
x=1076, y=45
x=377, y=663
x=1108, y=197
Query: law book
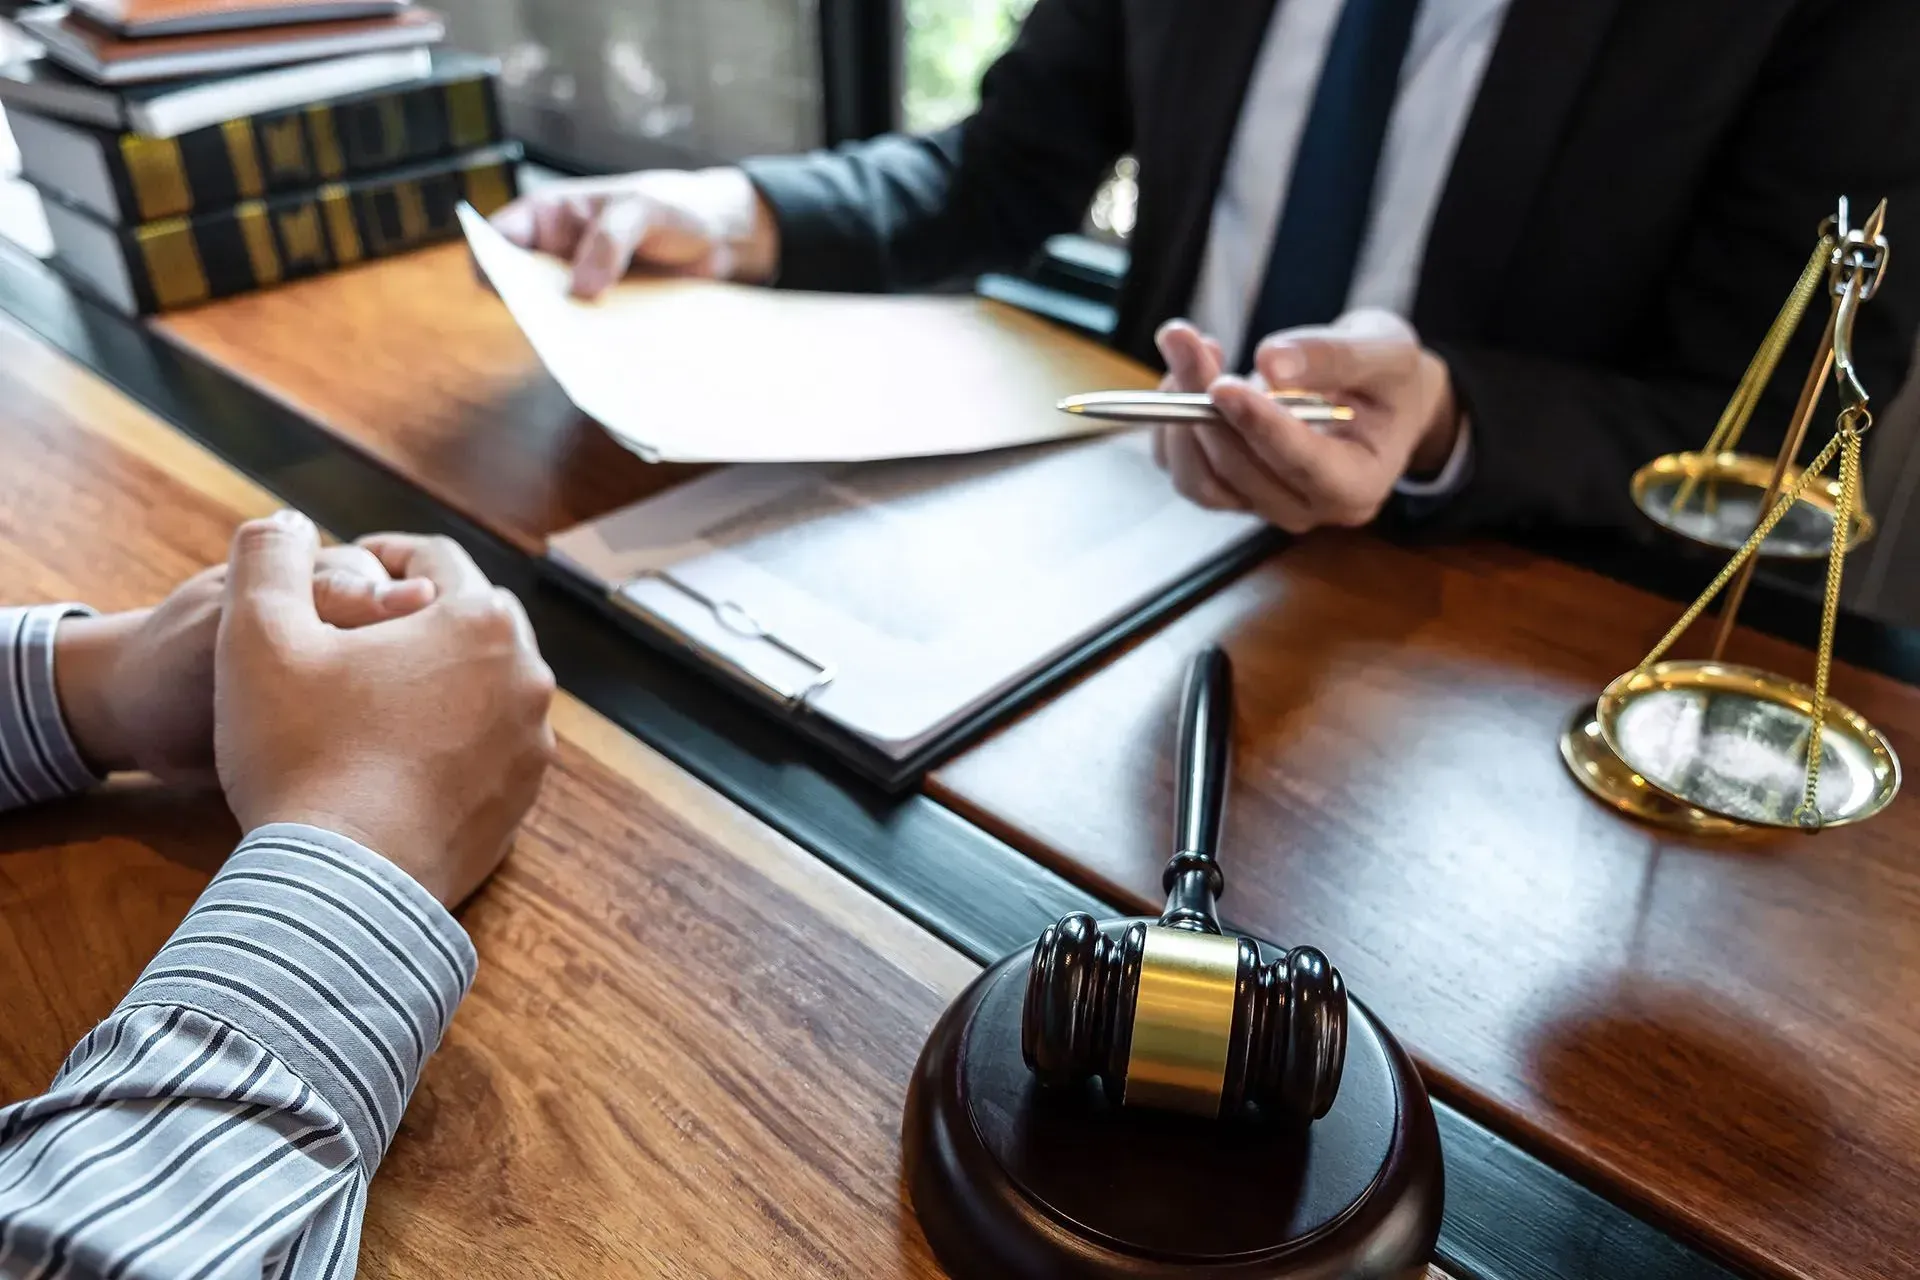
x=177, y=262
x=134, y=177
x=184, y=17
x=169, y=108
x=106, y=57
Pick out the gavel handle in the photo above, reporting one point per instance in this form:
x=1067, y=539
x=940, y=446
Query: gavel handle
x=1193, y=878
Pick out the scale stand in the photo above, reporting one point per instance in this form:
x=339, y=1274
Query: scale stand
x=1716, y=748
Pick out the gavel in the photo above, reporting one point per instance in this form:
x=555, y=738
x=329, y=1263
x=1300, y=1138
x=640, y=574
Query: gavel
x=1174, y=1014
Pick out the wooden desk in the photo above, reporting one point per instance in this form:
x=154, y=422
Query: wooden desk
x=1718, y=1035
x=689, y=1043
x=1722, y=1032
x=415, y=363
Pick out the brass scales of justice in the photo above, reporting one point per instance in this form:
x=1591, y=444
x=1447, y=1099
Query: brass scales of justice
x=1716, y=748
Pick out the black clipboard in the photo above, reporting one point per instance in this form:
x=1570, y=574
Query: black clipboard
x=890, y=772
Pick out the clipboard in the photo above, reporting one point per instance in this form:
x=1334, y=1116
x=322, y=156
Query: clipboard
x=724, y=572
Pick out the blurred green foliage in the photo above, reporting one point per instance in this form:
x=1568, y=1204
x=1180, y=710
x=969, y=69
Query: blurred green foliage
x=948, y=44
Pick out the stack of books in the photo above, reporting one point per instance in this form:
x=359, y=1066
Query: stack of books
x=191, y=149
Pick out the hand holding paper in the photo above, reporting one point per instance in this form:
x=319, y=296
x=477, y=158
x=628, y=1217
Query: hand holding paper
x=703, y=371
x=710, y=224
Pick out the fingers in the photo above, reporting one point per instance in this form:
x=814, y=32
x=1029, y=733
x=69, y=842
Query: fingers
x=270, y=572
x=441, y=561
x=547, y=221
x=1194, y=475
x=1291, y=449
x=347, y=600
x=1231, y=458
x=517, y=222
x=522, y=625
x=1334, y=474
x=606, y=249
x=1193, y=359
x=1331, y=362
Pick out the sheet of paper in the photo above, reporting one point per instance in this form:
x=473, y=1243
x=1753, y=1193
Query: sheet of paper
x=924, y=589
x=699, y=371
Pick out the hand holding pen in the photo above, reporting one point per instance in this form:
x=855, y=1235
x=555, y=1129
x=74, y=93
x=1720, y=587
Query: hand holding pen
x=1303, y=470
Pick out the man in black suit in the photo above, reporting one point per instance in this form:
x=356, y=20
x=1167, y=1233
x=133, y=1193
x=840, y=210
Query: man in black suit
x=1535, y=242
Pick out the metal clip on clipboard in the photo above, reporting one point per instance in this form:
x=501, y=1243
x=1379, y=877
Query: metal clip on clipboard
x=733, y=617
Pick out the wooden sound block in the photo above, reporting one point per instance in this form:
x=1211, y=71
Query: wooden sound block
x=1013, y=1182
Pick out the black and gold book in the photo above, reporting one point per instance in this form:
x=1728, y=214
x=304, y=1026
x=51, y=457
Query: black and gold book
x=132, y=177
x=176, y=262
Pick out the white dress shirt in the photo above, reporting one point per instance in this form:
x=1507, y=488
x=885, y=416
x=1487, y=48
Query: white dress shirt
x=1445, y=62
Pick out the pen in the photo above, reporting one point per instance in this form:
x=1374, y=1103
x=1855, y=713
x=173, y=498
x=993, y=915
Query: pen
x=1192, y=406
x=1193, y=879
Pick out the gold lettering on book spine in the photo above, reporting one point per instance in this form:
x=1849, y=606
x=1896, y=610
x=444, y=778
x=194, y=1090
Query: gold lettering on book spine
x=467, y=114
x=285, y=143
x=258, y=235
x=486, y=187
x=157, y=175
x=393, y=131
x=173, y=262
x=302, y=237
x=326, y=142
x=413, y=213
x=338, y=204
x=244, y=158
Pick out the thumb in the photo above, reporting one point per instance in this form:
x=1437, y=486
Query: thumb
x=606, y=250
x=270, y=572
x=347, y=600
x=1356, y=354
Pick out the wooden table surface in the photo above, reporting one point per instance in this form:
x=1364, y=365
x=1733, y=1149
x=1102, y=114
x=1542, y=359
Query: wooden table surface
x=689, y=1043
x=1718, y=1033
x=416, y=363
x=1724, y=1032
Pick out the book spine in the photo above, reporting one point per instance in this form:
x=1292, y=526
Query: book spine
x=177, y=262
x=275, y=151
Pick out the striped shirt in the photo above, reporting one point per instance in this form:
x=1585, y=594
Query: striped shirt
x=226, y=1119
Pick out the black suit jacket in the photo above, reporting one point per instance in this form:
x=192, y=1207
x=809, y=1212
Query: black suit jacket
x=1638, y=187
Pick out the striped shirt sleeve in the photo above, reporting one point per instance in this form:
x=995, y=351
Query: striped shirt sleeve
x=38, y=760
x=226, y=1119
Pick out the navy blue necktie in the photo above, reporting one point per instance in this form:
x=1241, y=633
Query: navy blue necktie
x=1330, y=196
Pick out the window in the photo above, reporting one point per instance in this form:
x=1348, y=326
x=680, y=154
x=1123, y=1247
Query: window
x=644, y=83
x=948, y=44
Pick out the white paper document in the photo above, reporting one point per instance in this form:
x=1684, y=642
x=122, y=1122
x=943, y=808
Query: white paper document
x=895, y=599
x=701, y=371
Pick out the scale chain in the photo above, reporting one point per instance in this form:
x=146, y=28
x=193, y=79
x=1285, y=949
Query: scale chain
x=1760, y=533
x=1807, y=814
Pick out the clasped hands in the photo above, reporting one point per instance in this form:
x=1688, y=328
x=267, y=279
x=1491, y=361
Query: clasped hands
x=385, y=690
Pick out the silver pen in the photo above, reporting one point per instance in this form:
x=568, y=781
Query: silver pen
x=1192, y=406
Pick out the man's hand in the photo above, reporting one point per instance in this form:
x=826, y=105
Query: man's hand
x=710, y=223
x=1299, y=477
x=423, y=737
x=136, y=688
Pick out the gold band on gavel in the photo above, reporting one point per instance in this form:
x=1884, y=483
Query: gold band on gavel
x=1182, y=1021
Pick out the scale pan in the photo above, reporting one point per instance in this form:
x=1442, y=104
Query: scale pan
x=1732, y=741
x=1591, y=760
x=1725, y=505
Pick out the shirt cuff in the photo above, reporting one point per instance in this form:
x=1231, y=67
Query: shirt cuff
x=1453, y=476
x=38, y=760
x=329, y=956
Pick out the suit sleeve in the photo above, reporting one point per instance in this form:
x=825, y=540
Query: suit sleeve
x=226, y=1119
x=901, y=212
x=38, y=760
x=1557, y=443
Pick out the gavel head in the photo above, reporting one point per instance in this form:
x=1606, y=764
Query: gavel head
x=1185, y=1019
